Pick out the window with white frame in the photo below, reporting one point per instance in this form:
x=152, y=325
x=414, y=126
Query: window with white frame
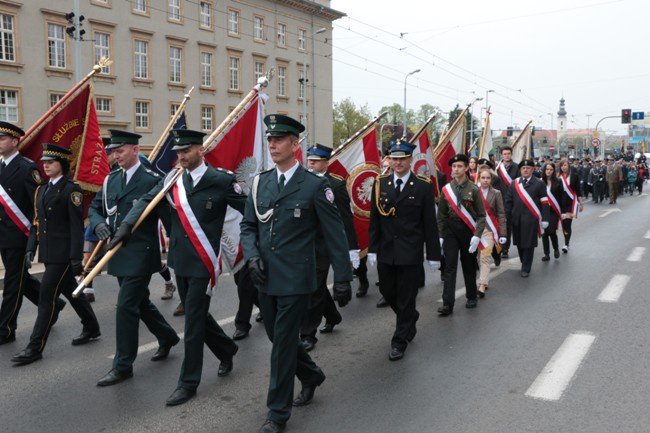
x=233, y=73
x=302, y=36
x=258, y=28
x=9, y=105
x=301, y=83
x=233, y=21
x=141, y=59
x=303, y=120
x=7, y=37
x=282, y=81
x=173, y=108
x=142, y=113
x=174, y=10
x=282, y=34
x=205, y=15
x=175, y=64
x=259, y=70
x=102, y=49
x=140, y=6
x=56, y=45
x=103, y=105
x=54, y=98
x=207, y=117
x=206, y=69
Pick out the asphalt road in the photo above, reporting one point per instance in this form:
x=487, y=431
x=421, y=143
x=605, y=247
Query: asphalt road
x=471, y=372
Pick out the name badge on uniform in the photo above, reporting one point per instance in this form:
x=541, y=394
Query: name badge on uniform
x=208, y=205
x=296, y=212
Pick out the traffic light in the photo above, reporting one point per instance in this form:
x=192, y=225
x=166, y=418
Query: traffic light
x=626, y=115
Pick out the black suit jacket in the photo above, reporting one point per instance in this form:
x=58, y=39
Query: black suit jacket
x=19, y=179
x=524, y=223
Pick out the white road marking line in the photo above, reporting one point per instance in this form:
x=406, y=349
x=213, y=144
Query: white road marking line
x=614, y=288
x=647, y=234
x=636, y=254
x=558, y=373
x=506, y=265
x=154, y=344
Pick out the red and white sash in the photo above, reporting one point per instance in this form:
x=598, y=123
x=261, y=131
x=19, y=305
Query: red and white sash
x=14, y=212
x=572, y=195
x=462, y=213
x=555, y=206
x=492, y=222
x=503, y=174
x=530, y=204
x=196, y=234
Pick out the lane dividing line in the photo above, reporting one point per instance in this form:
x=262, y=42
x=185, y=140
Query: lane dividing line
x=614, y=289
x=647, y=234
x=506, y=265
x=560, y=370
x=636, y=254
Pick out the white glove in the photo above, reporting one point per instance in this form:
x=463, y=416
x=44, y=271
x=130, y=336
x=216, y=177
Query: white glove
x=372, y=259
x=433, y=265
x=544, y=225
x=354, y=258
x=442, y=241
x=473, y=244
x=503, y=240
x=563, y=216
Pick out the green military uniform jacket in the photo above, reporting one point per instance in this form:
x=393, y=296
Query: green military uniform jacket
x=285, y=240
x=112, y=203
x=470, y=199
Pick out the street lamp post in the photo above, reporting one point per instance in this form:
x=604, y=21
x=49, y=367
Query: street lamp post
x=303, y=81
x=487, y=105
x=405, y=78
x=381, y=135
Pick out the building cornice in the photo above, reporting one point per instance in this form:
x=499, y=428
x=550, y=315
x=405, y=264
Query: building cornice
x=313, y=8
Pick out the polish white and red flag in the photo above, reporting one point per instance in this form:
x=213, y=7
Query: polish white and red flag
x=521, y=148
x=240, y=148
x=422, y=164
x=358, y=162
x=486, y=139
x=451, y=143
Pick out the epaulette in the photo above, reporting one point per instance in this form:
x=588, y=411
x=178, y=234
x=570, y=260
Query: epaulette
x=151, y=172
x=424, y=178
x=381, y=176
x=27, y=159
x=115, y=172
x=336, y=176
x=313, y=173
x=224, y=170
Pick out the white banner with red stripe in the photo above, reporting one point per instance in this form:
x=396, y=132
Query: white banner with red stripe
x=462, y=213
x=572, y=195
x=196, y=235
x=503, y=174
x=14, y=212
x=530, y=204
x=555, y=206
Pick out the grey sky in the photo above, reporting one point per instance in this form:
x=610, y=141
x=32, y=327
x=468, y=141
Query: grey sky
x=592, y=52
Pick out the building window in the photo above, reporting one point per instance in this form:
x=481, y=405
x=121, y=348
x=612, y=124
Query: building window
x=207, y=117
x=175, y=64
x=104, y=105
x=140, y=6
x=7, y=48
x=56, y=45
x=142, y=113
x=54, y=98
x=9, y=105
x=233, y=73
x=301, y=84
x=205, y=15
x=258, y=28
x=302, y=119
x=141, y=59
x=173, y=108
x=282, y=81
x=259, y=70
x=102, y=49
x=302, y=36
x=233, y=22
x=282, y=35
x=206, y=69
x=105, y=3
x=174, y=10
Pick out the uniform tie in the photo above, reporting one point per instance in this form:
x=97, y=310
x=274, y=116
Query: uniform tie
x=190, y=181
x=2, y=166
x=123, y=179
x=525, y=182
x=398, y=188
x=281, y=183
x=459, y=189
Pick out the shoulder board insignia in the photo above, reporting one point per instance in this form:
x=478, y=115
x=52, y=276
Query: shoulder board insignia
x=151, y=172
x=337, y=176
x=383, y=176
x=424, y=178
x=224, y=170
x=28, y=160
x=77, y=198
x=36, y=175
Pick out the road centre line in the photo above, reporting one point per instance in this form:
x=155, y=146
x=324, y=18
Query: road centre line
x=614, y=289
x=636, y=254
x=556, y=376
x=647, y=235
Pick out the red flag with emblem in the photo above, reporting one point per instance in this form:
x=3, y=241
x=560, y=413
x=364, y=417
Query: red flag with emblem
x=451, y=143
x=422, y=164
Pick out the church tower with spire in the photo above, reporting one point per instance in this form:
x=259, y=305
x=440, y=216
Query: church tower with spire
x=561, y=120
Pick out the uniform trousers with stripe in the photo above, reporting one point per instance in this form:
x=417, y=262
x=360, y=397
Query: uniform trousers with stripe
x=17, y=283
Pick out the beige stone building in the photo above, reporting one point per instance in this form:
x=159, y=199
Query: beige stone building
x=160, y=49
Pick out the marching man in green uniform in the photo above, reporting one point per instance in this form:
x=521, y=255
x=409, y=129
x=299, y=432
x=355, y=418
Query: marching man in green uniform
x=200, y=198
x=286, y=208
x=134, y=263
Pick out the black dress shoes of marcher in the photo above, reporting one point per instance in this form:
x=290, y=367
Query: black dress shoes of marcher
x=556, y=254
x=328, y=327
x=114, y=377
x=307, y=393
x=8, y=339
x=271, y=427
x=546, y=258
x=308, y=344
x=239, y=334
x=363, y=288
x=395, y=354
x=163, y=351
x=27, y=356
x=524, y=274
x=85, y=337
x=471, y=303
x=226, y=365
x=180, y=396
x=445, y=310
x=259, y=318
x=382, y=303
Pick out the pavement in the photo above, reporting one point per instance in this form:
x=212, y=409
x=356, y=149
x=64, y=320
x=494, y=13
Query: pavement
x=565, y=350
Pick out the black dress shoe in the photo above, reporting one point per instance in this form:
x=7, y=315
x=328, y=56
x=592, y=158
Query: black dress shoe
x=308, y=344
x=272, y=427
x=395, y=354
x=328, y=327
x=497, y=260
x=8, y=339
x=114, y=377
x=27, y=356
x=163, y=351
x=556, y=254
x=307, y=394
x=364, y=284
x=180, y=396
x=225, y=367
x=382, y=303
x=471, y=303
x=445, y=310
x=546, y=258
x=504, y=254
x=480, y=294
x=524, y=274
x=259, y=318
x=85, y=337
x=239, y=334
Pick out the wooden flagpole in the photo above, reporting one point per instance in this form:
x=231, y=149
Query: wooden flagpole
x=486, y=130
x=521, y=135
x=181, y=107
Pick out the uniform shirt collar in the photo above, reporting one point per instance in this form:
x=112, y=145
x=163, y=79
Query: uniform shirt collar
x=54, y=181
x=11, y=158
x=198, y=173
x=287, y=174
x=130, y=171
x=404, y=178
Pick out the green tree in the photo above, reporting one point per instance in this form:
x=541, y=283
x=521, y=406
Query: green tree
x=348, y=119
